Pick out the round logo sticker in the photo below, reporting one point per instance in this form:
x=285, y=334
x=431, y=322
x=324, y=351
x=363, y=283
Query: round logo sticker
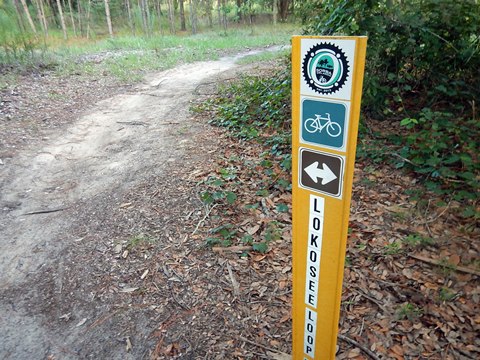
x=325, y=68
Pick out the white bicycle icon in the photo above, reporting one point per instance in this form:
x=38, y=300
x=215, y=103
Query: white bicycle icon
x=333, y=128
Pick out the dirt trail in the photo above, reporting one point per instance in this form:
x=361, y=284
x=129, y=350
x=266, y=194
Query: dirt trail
x=50, y=191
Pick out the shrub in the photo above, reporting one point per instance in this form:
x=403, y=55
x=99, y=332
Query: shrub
x=422, y=67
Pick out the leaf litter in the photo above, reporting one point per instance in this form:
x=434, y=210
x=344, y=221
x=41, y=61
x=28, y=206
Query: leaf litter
x=153, y=273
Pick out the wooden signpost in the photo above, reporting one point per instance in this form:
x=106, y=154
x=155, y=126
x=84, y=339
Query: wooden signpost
x=326, y=92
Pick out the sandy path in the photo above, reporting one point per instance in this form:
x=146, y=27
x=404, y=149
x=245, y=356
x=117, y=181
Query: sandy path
x=118, y=144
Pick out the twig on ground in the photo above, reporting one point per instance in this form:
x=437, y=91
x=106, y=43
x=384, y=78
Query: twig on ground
x=183, y=306
x=402, y=158
x=236, y=287
x=102, y=319
x=261, y=346
x=240, y=248
x=358, y=345
x=462, y=352
x=204, y=218
x=372, y=299
x=132, y=123
x=216, y=82
x=43, y=211
x=438, y=216
x=440, y=263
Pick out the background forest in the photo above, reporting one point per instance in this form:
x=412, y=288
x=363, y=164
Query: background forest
x=22, y=20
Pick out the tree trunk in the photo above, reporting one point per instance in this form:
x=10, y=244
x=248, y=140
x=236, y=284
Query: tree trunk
x=79, y=14
x=29, y=18
x=62, y=20
x=89, y=5
x=171, y=16
x=140, y=4
x=275, y=12
x=159, y=14
x=109, y=19
x=183, y=26
x=21, y=25
x=41, y=17
x=239, y=10
x=224, y=15
x=208, y=10
x=147, y=18
x=193, y=15
x=283, y=9
x=131, y=22
x=71, y=18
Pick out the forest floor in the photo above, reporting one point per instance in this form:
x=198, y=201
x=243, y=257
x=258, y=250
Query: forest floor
x=103, y=235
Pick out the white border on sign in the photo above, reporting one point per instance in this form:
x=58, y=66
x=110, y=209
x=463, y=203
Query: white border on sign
x=342, y=170
x=348, y=47
x=343, y=148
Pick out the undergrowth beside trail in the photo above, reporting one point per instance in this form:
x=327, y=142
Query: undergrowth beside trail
x=441, y=153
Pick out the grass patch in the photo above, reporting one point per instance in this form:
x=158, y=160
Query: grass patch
x=265, y=56
x=128, y=58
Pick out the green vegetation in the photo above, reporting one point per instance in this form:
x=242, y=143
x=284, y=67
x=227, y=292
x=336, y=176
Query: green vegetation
x=421, y=80
x=140, y=240
x=264, y=56
x=257, y=108
x=393, y=249
x=417, y=240
x=422, y=73
x=129, y=58
x=445, y=294
x=409, y=311
x=222, y=235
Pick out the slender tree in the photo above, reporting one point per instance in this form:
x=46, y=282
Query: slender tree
x=208, y=11
x=171, y=16
x=109, y=19
x=89, y=10
x=41, y=17
x=158, y=10
x=222, y=13
x=19, y=13
x=239, y=10
x=62, y=19
x=193, y=15
x=284, y=9
x=183, y=26
x=29, y=18
x=131, y=21
x=275, y=12
x=80, y=14
x=147, y=17
x=143, y=4
x=71, y=18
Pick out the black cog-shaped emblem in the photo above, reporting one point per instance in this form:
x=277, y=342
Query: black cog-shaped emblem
x=325, y=68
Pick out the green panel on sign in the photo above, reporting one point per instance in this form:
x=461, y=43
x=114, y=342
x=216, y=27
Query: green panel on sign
x=323, y=123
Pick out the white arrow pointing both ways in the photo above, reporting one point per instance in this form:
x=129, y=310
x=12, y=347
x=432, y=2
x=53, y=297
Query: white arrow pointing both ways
x=324, y=173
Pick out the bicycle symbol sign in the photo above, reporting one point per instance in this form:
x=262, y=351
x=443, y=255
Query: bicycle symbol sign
x=333, y=128
x=324, y=123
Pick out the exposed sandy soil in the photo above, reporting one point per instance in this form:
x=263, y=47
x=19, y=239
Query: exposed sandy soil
x=99, y=209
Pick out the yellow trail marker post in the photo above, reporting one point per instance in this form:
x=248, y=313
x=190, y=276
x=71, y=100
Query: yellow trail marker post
x=327, y=77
